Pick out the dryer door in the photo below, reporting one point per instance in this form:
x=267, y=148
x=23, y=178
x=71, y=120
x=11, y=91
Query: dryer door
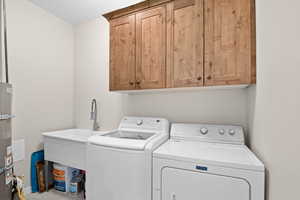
x=178, y=184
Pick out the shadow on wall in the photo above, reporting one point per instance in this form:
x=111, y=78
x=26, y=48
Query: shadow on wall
x=252, y=138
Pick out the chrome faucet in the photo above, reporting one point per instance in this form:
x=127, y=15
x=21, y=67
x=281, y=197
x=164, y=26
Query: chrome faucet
x=94, y=115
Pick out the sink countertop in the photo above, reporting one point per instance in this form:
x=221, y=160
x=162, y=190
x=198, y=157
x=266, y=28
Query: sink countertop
x=77, y=135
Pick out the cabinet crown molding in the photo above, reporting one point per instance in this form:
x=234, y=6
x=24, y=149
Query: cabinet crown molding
x=134, y=8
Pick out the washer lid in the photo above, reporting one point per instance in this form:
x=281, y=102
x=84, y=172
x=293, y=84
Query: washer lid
x=226, y=155
x=133, y=140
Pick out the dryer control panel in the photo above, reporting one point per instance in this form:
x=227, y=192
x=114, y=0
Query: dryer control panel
x=208, y=133
x=144, y=124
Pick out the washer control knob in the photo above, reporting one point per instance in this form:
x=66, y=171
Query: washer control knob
x=139, y=122
x=221, y=131
x=204, y=131
x=231, y=132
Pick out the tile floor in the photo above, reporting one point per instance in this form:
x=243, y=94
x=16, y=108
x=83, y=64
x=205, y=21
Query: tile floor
x=51, y=195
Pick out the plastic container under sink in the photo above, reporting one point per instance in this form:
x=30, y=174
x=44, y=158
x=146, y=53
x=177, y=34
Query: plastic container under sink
x=63, y=176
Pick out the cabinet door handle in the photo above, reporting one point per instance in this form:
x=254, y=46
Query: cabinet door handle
x=199, y=78
x=131, y=83
x=209, y=78
x=138, y=82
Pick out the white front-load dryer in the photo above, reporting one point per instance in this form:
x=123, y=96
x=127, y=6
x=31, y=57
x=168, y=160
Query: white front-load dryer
x=119, y=163
x=206, y=162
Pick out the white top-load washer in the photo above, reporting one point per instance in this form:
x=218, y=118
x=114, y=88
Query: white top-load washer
x=206, y=162
x=119, y=163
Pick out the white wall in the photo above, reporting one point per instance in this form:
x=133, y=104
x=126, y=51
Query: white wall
x=225, y=106
x=275, y=101
x=91, y=76
x=92, y=64
x=41, y=59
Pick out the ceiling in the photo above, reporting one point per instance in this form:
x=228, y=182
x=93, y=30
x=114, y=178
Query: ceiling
x=77, y=11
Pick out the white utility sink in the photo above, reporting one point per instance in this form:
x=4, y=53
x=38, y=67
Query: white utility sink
x=77, y=135
x=67, y=147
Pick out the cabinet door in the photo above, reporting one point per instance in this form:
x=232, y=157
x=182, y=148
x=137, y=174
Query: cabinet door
x=227, y=42
x=151, y=48
x=185, y=39
x=122, y=53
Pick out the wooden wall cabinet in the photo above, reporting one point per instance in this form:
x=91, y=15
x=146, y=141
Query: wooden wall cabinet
x=228, y=42
x=185, y=44
x=151, y=48
x=182, y=43
x=122, y=53
x=138, y=50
